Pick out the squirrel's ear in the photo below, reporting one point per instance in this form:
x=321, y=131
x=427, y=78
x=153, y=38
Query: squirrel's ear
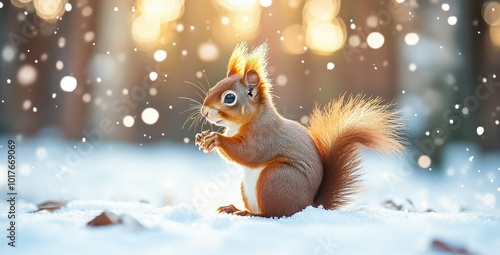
x=252, y=79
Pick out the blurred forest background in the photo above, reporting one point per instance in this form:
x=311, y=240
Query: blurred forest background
x=119, y=67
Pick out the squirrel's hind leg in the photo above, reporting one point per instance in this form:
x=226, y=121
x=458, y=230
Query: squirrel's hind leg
x=283, y=191
x=231, y=209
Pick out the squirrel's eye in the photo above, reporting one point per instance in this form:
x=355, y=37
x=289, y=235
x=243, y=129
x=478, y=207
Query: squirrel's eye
x=229, y=98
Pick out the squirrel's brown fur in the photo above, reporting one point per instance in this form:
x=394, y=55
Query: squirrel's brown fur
x=288, y=167
x=352, y=122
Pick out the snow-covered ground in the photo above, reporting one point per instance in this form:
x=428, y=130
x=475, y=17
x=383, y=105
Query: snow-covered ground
x=173, y=190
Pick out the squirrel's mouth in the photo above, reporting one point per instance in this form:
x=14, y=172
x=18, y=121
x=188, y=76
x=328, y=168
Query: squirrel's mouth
x=215, y=122
x=218, y=122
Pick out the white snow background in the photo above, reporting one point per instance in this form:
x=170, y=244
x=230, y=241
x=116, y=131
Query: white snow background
x=174, y=189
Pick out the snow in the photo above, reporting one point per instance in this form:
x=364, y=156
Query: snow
x=174, y=189
x=184, y=229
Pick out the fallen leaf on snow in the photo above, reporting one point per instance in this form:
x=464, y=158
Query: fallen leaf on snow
x=406, y=206
x=107, y=218
x=389, y=204
x=442, y=246
x=51, y=205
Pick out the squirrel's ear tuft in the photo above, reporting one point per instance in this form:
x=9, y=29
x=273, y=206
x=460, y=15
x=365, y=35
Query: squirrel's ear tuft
x=256, y=66
x=237, y=61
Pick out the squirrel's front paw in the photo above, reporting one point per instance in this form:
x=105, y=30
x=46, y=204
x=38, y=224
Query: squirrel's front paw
x=207, y=140
x=200, y=138
x=210, y=142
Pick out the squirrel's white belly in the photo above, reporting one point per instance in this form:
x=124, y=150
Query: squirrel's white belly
x=250, y=178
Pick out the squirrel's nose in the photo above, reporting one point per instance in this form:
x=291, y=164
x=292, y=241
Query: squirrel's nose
x=204, y=111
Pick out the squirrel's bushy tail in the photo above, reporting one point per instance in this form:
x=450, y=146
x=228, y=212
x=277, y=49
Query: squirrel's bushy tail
x=339, y=130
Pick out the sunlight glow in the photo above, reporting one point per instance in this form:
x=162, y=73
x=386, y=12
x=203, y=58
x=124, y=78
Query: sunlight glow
x=154, y=21
x=145, y=30
x=266, y=3
x=325, y=33
x=491, y=13
x=163, y=10
x=240, y=19
x=294, y=39
x=495, y=35
x=325, y=38
x=50, y=10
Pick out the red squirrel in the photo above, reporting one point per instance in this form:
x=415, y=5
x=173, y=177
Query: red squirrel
x=287, y=166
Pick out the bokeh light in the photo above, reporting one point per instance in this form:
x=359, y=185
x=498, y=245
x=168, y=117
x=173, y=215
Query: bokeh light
x=412, y=38
x=294, y=39
x=323, y=10
x=266, y=3
x=325, y=33
x=240, y=20
x=26, y=104
x=491, y=13
x=68, y=83
x=162, y=10
x=325, y=38
x=86, y=98
x=160, y=55
x=20, y=3
x=452, y=20
x=50, y=10
x=154, y=21
x=146, y=30
x=375, y=40
x=412, y=67
x=68, y=7
x=150, y=116
x=480, y=130
x=208, y=52
x=26, y=75
x=153, y=76
x=8, y=53
x=495, y=35
x=424, y=161
x=59, y=65
x=128, y=121
x=445, y=7
x=281, y=80
x=354, y=40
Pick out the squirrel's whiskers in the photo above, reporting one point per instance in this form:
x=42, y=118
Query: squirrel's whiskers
x=195, y=106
